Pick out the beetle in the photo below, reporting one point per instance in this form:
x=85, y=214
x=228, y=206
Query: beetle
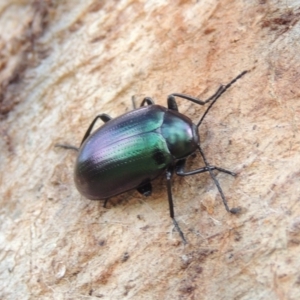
x=128, y=152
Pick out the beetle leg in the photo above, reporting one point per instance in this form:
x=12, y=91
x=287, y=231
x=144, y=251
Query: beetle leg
x=147, y=100
x=179, y=169
x=169, y=173
x=105, y=202
x=104, y=117
x=69, y=147
x=172, y=102
x=181, y=172
x=234, y=210
x=145, y=189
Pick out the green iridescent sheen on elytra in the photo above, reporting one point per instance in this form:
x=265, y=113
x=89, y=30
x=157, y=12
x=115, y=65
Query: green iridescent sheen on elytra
x=131, y=149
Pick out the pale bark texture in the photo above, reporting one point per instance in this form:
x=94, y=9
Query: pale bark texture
x=64, y=62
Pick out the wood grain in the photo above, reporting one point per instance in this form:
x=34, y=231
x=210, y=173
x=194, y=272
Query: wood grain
x=61, y=63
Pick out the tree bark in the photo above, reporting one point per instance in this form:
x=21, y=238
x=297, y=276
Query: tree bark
x=62, y=63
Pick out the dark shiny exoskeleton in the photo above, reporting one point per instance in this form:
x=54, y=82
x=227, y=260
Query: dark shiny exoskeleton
x=128, y=152
x=131, y=150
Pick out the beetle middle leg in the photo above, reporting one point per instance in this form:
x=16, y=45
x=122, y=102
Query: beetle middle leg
x=146, y=100
x=169, y=173
x=179, y=169
x=145, y=188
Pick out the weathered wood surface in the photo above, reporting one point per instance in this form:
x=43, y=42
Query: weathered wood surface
x=61, y=63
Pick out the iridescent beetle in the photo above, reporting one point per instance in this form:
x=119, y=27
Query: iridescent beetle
x=128, y=152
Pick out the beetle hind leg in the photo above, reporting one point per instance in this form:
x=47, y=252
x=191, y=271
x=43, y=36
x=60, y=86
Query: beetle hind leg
x=148, y=101
x=104, y=117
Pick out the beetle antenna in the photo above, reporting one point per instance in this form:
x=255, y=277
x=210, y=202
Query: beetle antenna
x=222, y=89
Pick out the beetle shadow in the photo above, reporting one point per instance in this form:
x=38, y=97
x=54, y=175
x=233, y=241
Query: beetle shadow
x=124, y=199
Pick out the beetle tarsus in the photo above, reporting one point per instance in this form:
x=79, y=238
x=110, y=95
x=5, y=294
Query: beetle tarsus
x=179, y=231
x=169, y=173
x=221, y=170
x=235, y=210
x=69, y=147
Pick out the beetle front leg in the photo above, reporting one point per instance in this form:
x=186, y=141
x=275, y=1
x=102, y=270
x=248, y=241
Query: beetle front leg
x=179, y=169
x=146, y=100
x=171, y=205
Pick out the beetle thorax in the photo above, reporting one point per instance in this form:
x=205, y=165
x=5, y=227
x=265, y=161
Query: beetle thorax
x=180, y=134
